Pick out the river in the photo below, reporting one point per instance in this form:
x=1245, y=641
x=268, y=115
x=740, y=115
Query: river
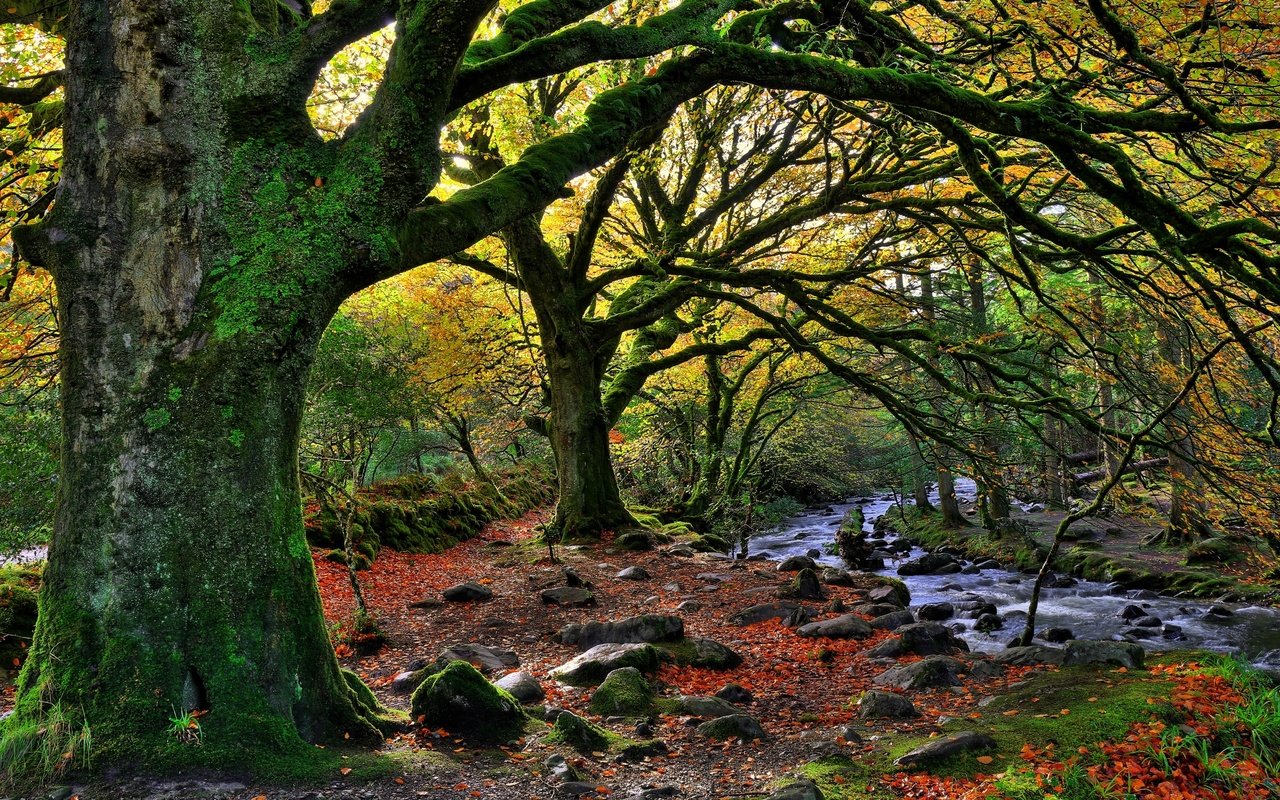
x=1091, y=610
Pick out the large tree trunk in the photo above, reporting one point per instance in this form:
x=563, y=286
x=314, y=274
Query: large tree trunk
x=589, y=500
x=179, y=575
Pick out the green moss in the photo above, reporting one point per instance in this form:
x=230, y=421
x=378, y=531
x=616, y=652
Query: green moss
x=624, y=692
x=458, y=698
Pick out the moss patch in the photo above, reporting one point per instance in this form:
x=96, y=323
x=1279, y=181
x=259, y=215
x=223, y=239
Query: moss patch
x=458, y=698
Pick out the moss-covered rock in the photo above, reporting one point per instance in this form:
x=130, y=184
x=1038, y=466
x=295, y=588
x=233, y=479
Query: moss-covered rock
x=17, y=616
x=634, y=541
x=576, y=732
x=459, y=699
x=1217, y=550
x=624, y=692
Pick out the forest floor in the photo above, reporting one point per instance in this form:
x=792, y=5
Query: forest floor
x=804, y=694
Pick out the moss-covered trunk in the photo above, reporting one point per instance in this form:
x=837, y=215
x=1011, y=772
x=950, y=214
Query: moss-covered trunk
x=179, y=576
x=589, y=500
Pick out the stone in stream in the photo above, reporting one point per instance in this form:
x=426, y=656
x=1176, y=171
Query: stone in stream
x=1173, y=632
x=1121, y=654
x=568, y=596
x=935, y=612
x=523, y=687
x=1062, y=582
x=791, y=614
x=1057, y=635
x=928, y=564
x=734, y=726
x=922, y=638
x=875, y=704
x=1219, y=611
x=468, y=592
x=1148, y=622
x=847, y=626
x=633, y=574
x=939, y=749
x=643, y=628
x=929, y=673
x=1132, y=612
x=591, y=667
x=988, y=623
x=796, y=563
x=487, y=659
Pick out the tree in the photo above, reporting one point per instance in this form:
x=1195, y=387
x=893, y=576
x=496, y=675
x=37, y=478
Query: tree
x=204, y=234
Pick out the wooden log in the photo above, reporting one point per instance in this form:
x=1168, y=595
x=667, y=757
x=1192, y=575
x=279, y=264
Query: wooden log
x=1137, y=466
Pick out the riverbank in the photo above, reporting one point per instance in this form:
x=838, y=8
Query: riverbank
x=838, y=705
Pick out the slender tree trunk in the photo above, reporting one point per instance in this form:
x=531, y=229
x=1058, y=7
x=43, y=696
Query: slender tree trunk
x=179, y=575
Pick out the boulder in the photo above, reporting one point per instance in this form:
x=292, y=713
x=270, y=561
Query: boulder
x=485, y=658
x=523, y=687
x=928, y=564
x=633, y=574
x=1133, y=612
x=576, y=732
x=469, y=592
x=935, y=612
x=699, y=652
x=591, y=667
x=635, y=541
x=735, y=694
x=893, y=621
x=572, y=578
x=1030, y=655
x=1057, y=635
x=988, y=623
x=875, y=704
x=706, y=707
x=929, y=673
x=800, y=790
x=806, y=586
x=568, y=596
x=946, y=747
x=733, y=726
x=922, y=638
x=877, y=609
x=791, y=614
x=643, y=628
x=460, y=700
x=1121, y=654
x=625, y=693
x=893, y=592
x=836, y=577
x=843, y=627
x=796, y=563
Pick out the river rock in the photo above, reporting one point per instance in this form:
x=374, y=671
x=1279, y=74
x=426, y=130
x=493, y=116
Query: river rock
x=791, y=614
x=947, y=746
x=875, y=704
x=487, y=659
x=922, y=638
x=935, y=612
x=1030, y=655
x=469, y=592
x=643, y=628
x=733, y=726
x=893, y=620
x=796, y=563
x=1121, y=654
x=1218, y=610
x=1057, y=635
x=1132, y=612
x=929, y=673
x=876, y=609
x=928, y=564
x=591, y=667
x=633, y=574
x=847, y=626
x=988, y=623
x=568, y=596
x=973, y=609
x=1148, y=622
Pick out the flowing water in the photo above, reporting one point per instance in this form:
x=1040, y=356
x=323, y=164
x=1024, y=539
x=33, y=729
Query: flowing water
x=1089, y=609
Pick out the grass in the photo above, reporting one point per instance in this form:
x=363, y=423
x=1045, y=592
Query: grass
x=34, y=751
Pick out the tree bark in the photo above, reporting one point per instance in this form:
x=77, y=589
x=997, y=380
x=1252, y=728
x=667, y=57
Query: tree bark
x=179, y=575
